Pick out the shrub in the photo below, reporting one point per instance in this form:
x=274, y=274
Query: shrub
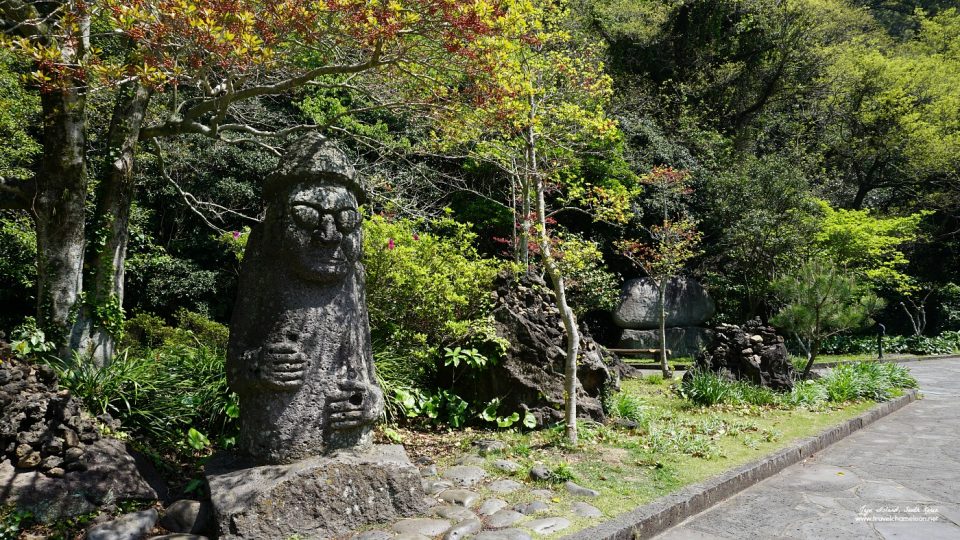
x=427, y=290
x=159, y=394
x=148, y=331
x=200, y=330
x=874, y=383
x=161, y=283
x=12, y=521
x=945, y=343
x=145, y=330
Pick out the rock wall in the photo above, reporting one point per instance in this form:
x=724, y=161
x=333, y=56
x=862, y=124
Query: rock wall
x=753, y=352
x=53, y=460
x=41, y=426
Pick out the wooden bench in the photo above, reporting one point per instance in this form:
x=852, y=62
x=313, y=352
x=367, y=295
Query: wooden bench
x=653, y=353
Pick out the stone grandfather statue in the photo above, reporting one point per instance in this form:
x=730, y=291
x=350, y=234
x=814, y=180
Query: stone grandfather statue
x=300, y=360
x=299, y=354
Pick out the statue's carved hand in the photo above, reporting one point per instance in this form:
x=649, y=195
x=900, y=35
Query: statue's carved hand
x=355, y=404
x=282, y=365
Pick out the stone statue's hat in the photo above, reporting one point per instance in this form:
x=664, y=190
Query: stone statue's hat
x=314, y=157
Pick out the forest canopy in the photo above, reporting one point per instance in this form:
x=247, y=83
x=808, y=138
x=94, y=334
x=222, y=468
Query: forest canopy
x=514, y=132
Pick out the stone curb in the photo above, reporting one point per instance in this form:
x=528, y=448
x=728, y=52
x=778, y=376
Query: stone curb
x=904, y=360
x=661, y=514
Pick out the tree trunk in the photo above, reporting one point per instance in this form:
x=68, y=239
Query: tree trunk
x=814, y=351
x=863, y=190
x=101, y=318
x=569, y=322
x=556, y=279
x=58, y=211
x=663, y=329
x=526, y=224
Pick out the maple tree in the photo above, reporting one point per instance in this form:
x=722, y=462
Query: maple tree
x=538, y=117
x=175, y=67
x=671, y=244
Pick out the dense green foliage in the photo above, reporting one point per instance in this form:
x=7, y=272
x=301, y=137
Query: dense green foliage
x=19, y=112
x=168, y=387
x=944, y=343
x=824, y=130
x=428, y=293
x=427, y=287
x=817, y=126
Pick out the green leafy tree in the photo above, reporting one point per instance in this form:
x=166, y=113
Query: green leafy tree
x=890, y=119
x=821, y=300
x=179, y=67
x=869, y=245
x=591, y=285
x=761, y=218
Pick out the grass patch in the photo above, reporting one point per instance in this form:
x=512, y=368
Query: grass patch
x=851, y=381
x=674, y=441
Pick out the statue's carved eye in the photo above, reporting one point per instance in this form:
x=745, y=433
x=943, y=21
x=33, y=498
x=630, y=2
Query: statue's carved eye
x=347, y=220
x=305, y=216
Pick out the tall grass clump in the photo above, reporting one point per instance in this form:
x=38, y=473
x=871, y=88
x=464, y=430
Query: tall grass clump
x=842, y=383
x=866, y=380
x=899, y=376
x=400, y=377
x=628, y=407
x=158, y=395
x=847, y=382
x=705, y=388
x=807, y=394
x=752, y=394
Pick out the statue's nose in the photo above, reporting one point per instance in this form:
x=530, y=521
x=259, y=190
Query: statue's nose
x=327, y=230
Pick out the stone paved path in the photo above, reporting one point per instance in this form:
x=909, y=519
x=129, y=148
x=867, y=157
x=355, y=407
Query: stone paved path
x=898, y=478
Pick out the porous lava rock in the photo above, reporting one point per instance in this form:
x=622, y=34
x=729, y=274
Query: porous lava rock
x=42, y=427
x=54, y=463
x=752, y=352
x=299, y=355
x=529, y=377
x=301, y=361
